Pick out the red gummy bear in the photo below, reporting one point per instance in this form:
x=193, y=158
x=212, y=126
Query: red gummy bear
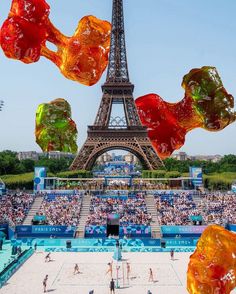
x=36, y=11
x=82, y=57
x=206, y=104
x=24, y=32
x=22, y=40
x=164, y=130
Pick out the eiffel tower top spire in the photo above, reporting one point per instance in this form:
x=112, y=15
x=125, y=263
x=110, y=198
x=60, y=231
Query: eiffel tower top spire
x=118, y=67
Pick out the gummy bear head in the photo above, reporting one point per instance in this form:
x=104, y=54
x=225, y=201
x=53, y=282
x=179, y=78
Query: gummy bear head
x=210, y=99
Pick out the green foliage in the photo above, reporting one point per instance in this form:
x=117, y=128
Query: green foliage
x=25, y=181
x=226, y=164
x=19, y=174
x=75, y=174
x=28, y=165
x=158, y=174
x=219, y=181
x=153, y=173
x=173, y=174
x=9, y=164
x=22, y=181
x=54, y=165
x=146, y=173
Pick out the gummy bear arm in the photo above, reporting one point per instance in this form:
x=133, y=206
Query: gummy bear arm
x=55, y=36
x=233, y=118
x=49, y=54
x=185, y=113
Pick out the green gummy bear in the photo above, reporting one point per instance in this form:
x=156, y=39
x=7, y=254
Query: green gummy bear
x=55, y=130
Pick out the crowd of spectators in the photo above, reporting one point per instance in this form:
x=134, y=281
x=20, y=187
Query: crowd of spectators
x=178, y=208
x=61, y=210
x=172, y=208
x=175, y=209
x=132, y=210
x=219, y=208
x=14, y=208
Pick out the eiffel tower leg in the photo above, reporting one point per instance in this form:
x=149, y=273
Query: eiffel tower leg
x=82, y=158
x=93, y=148
x=131, y=112
x=151, y=155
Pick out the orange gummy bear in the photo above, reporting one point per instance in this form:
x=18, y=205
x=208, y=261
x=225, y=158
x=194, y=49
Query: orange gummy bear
x=212, y=267
x=82, y=57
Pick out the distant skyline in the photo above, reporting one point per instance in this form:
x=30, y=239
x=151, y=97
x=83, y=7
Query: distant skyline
x=123, y=152
x=165, y=40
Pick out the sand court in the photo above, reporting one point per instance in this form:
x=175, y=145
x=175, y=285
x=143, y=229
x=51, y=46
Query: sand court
x=169, y=276
x=164, y=275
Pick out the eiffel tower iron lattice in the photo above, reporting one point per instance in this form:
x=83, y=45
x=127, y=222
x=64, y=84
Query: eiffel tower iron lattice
x=109, y=133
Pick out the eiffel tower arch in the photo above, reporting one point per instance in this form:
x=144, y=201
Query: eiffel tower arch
x=107, y=132
x=138, y=146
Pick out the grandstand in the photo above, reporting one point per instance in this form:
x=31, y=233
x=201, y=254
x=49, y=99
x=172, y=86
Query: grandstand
x=61, y=210
x=15, y=207
x=73, y=225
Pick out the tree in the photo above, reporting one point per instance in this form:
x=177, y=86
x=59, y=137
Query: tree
x=228, y=163
x=54, y=165
x=9, y=163
x=28, y=165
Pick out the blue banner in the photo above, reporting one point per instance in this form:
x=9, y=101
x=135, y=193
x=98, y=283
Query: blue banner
x=45, y=231
x=196, y=174
x=2, y=188
x=170, y=231
x=89, y=242
x=180, y=242
x=135, y=231
x=40, y=174
x=95, y=231
x=140, y=231
x=233, y=188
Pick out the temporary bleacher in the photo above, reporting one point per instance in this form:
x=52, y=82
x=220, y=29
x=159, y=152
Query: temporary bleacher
x=33, y=211
x=151, y=208
x=80, y=231
x=128, y=227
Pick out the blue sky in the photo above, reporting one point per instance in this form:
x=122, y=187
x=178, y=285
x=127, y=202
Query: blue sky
x=165, y=39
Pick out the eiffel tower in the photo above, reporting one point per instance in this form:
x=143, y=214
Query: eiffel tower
x=109, y=133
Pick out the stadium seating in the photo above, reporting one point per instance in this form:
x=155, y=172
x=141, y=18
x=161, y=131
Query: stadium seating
x=132, y=210
x=14, y=208
x=181, y=209
x=219, y=208
x=61, y=210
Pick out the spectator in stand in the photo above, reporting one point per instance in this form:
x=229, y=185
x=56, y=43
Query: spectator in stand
x=173, y=209
x=132, y=210
x=14, y=208
x=177, y=208
x=219, y=208
x=62, y=210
